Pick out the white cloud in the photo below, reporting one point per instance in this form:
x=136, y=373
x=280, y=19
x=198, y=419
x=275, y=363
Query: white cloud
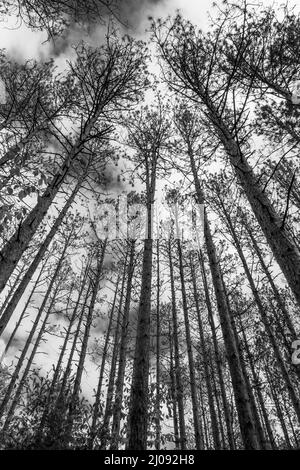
x=21, y=43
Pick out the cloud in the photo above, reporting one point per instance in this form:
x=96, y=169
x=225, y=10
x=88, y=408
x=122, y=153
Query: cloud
x=23, y=44
x=134, y=14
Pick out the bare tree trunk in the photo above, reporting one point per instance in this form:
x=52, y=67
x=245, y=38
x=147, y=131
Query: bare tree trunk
x=179, y=388
x=157, y=401
x=214, y=421
x=216, y=395
x=230, y=436
x=117, y=408
x=277, y=295
x=23, y=313
x=11, y=253
x=284, y=249
x=265, y=320
x=105, y=432
x=11, y=290
x=173, y=393
x=278, y=409
x=37, y=259
x=204, y=419
x=291, y=424
x=22, y=382
x=100, y=253
x=138, y=410
x=245, y=415
x=96, y=407
x=32, y=331
x=262, y=438
x=198, y=437
x=57, y=371
x=258, y=389
x=55, y=436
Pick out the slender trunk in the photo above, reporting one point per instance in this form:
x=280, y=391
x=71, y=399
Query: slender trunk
x=57, y=418
x=179, y=387
x=214, y=421
x=278, y=409
x=89, y=319
x=11, y=290
x=246, y=419
x=113, y=366
x=23, y=313
x=198, y=437
x=277, y=295
x=117, y=408
x=284, y=249
x=12, y=251
x=96, y=408
x=37, y=259
x=286, y=411
x=202, y=407
x=230, y=436
x=138, y=409
x=22, y=382
x=157, y=401
x=32, y=331
x=261, y=435
x=173, y=394
x=57, y=371
x=217, y=396
x=265, y=320
x=258, y=390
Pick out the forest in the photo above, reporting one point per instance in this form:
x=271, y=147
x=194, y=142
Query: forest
x=149, y=228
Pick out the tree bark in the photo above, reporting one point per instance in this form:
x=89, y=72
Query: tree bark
x=96, y=407
x=117, y=408
x=198, y=436
x=37, y=259
x=179, y=387
x=214, y=421
x=100, y=253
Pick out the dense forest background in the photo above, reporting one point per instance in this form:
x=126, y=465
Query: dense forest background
x=149, y=227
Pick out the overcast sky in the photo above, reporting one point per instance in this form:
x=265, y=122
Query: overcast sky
x=22, y=43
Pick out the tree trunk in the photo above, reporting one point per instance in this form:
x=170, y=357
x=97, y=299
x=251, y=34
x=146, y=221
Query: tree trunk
x=277, y=295
x=278, y=409
x=284, y=249
x=157, y=401
x=246, y=419
x=57, y=371
x=265, y=320
x=32, y=331
x=105, y=432
x=138, y=410
x=214, y=421
x=12, y=251
x=198, y=437
x=117, y=408
x=173, y=394
x=22, y=382
x=179, y=387
x=37, y=259
x=230, y=436
x=100, y=253
x=96, y=407
x=23, y=313
x=258, y=390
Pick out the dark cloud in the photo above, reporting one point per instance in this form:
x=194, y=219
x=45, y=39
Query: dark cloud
x=133, y=13
x=130, y=15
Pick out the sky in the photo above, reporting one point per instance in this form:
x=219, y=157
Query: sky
x=22, y=43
